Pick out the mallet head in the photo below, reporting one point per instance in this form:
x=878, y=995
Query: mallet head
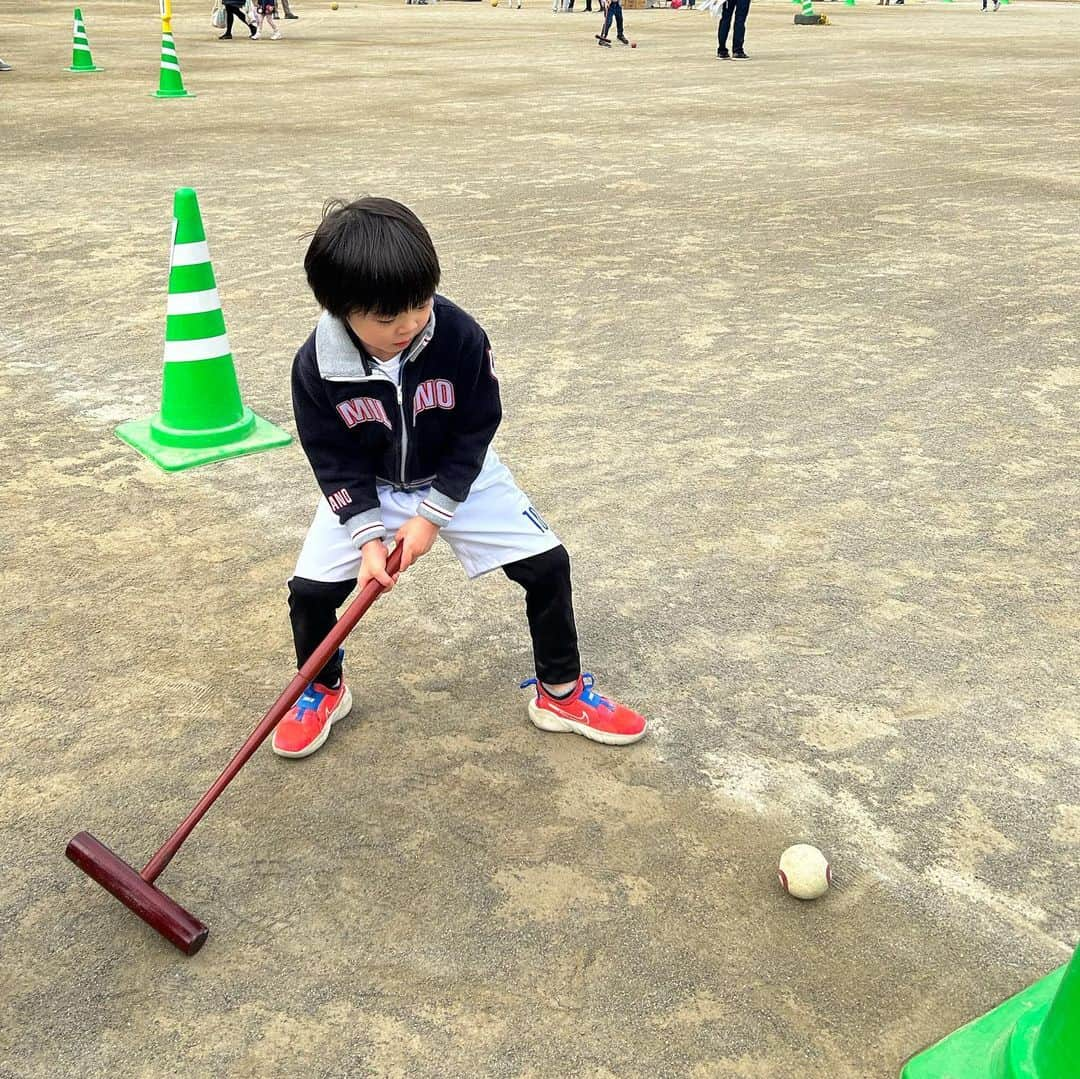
x=154, y=907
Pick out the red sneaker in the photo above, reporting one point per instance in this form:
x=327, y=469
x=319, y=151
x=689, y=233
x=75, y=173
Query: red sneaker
x=307, y=724
x=585, y=712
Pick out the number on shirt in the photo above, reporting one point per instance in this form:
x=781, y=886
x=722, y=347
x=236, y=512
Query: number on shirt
x=535, y=518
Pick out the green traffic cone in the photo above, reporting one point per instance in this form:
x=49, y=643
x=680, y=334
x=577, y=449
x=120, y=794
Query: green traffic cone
x=849, y=3
x=202, y=417
x=170, y=81
x=81, y=60
x=1033, y=1035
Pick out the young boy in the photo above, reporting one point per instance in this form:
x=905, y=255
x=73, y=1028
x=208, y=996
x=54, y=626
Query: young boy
x=396, y=403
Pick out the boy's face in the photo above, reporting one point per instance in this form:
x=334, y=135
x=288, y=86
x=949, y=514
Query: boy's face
x=385, y=337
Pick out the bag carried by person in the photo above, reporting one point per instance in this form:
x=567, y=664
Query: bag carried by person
x=217, y=16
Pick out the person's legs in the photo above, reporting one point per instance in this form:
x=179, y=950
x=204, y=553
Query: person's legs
x=497, y=527
x=236, y=11
x=618, y=18
x=742, y=9
x=325, y=574
x=565, y=701
x=549, y=609
x=313, y=607
x=608, y=15
x=725, y=25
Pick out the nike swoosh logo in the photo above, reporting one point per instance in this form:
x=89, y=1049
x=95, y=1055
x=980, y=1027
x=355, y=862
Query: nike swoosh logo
x=583, y=718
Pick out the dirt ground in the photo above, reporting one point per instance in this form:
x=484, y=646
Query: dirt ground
x=788, y=353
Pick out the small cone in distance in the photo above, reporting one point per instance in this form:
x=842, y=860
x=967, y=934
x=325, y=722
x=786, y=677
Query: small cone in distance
x=81, y=60
x=170, y=81
x=202, y=417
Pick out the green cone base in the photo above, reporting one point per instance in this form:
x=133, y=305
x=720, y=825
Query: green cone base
x=988, y=1048
x=172, y=93
x=84, y=70
x=140, y=435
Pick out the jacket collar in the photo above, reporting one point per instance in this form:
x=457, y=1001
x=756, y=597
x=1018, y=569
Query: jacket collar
x=339, y=359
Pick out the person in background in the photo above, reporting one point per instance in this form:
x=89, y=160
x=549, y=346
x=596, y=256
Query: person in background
x=613, y=11
x=265, y=13
x=234, y=9
x=739, y=9
x=288, y=10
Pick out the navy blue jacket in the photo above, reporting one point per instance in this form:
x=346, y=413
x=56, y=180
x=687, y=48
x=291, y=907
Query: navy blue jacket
x=359, y=429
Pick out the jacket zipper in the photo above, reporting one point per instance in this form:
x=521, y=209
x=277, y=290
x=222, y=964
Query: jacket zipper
x=404, y=430
x=399, y=389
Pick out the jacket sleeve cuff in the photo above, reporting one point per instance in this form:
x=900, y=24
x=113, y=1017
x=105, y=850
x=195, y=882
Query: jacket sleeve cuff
x=365, y=527
x=437, y=508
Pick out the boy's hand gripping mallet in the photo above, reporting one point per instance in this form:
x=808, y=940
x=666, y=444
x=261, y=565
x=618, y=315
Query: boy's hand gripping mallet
x=136, y=890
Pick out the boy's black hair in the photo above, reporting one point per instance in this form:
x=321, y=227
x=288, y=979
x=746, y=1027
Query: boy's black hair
x=373, y=256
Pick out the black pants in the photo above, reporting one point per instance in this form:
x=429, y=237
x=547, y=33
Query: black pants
x=614, y=11
x=234, y=11
x=740, y=9
x=549, y=608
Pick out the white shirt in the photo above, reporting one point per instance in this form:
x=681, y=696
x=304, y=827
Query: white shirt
x=391, y=368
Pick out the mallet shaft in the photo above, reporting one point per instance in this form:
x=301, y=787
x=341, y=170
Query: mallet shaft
x=343, y=627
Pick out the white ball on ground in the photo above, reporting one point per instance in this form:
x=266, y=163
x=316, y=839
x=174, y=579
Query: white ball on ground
x=804, y=872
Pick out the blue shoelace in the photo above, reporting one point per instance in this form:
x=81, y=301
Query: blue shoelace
x=309, y=700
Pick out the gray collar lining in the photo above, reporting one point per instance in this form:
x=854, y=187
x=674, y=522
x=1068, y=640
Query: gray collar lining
x=339, y=360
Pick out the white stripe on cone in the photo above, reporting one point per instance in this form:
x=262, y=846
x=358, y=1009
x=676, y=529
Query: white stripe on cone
x=193, y=303
x=207, y=348
x=190, y=254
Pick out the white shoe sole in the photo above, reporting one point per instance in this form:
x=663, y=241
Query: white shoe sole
x=343, y=709
x=548, y=721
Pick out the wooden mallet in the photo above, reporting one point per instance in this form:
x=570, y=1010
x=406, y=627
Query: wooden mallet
x=136, y=889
